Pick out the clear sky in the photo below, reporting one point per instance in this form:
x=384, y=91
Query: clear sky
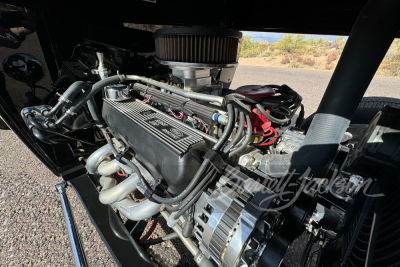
x=274, y=37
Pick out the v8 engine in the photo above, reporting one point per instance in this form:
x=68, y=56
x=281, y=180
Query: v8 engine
x=232, y=172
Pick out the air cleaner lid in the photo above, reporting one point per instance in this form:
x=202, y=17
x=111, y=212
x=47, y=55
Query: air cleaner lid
x=255, y=91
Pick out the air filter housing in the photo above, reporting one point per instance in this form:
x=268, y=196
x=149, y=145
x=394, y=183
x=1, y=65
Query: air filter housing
x=214, y=46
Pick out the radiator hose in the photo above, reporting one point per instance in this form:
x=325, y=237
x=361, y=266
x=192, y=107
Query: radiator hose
x=370, y=38
x=88, y=94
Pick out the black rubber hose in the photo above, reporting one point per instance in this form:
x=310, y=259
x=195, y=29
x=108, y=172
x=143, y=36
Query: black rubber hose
x=38, y=134
x=188, y=189
x=156, y=241
x=196, y=189
x=69, y=137
x=238, y=135
x=68, y=95
x=95, y=112
x=83, y=98
x=307, y=251
x=60, y=121
x=173, y=200
x=285, y=111
x=261, y=110
x=228, y=128
x=125, y=160
x=246, y=140
x=236, y=115
x=195, y=194
x=109, y=141
x=63, y=81
x=41, y=137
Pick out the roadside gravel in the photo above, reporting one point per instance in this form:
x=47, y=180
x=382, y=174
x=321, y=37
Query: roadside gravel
x=32, y=225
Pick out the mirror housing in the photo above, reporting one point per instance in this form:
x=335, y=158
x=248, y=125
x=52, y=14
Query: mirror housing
x=24, y=67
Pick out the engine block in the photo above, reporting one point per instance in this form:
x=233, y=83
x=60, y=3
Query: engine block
x=170, y=146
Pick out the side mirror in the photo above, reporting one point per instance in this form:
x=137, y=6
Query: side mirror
x=24, y=67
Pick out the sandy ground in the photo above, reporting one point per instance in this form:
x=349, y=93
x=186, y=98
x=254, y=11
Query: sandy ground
x=320, y=62
x=33, y=230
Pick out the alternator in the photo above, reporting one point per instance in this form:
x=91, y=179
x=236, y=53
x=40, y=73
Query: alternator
x=225, y=221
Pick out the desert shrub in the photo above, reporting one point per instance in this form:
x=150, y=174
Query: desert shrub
x=249, y=48
x=290, y=42
x=298, y=58
x=294, y=64
x=332, y=57
x=263, y=49
x=339, y=40
x=306, y=50
x=311, y=41
x=285, y=60
x=265, y=53
x=308, y=61
x=390, y=66
x=300, y=51
x=274, y=54
x=309, y=50
x=323, y=42
x=324, y=52
x=247, y=43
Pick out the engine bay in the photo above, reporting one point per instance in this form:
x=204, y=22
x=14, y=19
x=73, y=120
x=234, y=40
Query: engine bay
x=236, y=174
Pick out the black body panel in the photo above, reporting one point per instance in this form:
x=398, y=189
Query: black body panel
x=119, y=247
x=309, y=16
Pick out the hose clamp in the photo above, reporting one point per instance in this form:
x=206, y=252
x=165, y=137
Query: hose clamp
x=70, y=112
x=62, y=98
x=122, y=77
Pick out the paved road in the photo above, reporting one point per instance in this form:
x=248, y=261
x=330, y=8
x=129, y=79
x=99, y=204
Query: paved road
x=310, y=84
x=32, y=227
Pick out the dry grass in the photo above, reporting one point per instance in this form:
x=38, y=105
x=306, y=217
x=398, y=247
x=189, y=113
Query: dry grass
x=293, y=51
x=296, y=61
x=322, y=60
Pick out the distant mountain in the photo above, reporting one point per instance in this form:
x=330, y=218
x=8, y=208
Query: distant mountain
x=274, y=37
